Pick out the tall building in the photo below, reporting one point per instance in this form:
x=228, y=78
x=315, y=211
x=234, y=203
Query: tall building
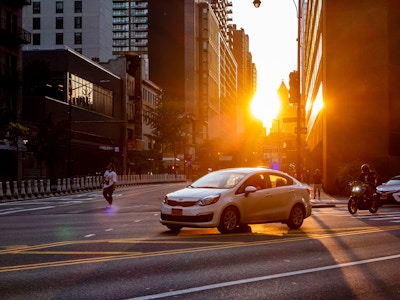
x=130, y=29
x=351, y=70
x=85, y=26
x=130, y=26
x=73, y=107
x=199, y=70
x=12, y=37
x=246, y=76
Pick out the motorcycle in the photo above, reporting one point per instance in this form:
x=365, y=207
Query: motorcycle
x=362, y=197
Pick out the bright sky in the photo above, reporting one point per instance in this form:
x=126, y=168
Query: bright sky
x=272, y=31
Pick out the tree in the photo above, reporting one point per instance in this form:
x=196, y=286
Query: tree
x=16, y=133
x=169, y=125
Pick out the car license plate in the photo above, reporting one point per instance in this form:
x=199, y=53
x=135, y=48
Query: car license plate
x=383, y=197
x=176, y=212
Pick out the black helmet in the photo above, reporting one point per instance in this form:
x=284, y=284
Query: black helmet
x=365, y=168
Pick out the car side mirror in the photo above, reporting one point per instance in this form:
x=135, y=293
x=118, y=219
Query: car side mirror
x=249, y=189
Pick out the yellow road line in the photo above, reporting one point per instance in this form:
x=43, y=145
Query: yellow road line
x=131, y=255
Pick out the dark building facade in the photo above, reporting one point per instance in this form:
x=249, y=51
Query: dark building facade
x=74, y=110
x=12, y=37
x=350, y=77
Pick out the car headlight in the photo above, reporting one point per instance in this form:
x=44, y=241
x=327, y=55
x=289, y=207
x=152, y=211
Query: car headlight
x=209, y=200
x=166, y=200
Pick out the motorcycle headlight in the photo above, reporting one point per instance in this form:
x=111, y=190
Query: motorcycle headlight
x=356, y=189
x=209, y=200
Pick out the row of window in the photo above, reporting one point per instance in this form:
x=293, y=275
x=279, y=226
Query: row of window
x=59, y=7
x=59, y=23
x=59, y=38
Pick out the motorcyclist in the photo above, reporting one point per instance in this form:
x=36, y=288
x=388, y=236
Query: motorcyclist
x=368, y=177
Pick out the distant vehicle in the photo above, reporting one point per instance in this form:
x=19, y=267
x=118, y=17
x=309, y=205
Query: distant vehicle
x=362, y=197
x=231, y=199
x=389, y=191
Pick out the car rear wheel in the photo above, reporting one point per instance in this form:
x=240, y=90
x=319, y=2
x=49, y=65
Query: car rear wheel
x=296, y=217
x=229, y=220
x=174, y=228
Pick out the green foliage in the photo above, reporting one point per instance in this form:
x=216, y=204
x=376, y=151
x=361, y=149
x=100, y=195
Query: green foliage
x=16, y=131
x=346, y=173
x=169, y=124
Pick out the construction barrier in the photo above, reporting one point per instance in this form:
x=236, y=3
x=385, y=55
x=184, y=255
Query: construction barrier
x=42, y=188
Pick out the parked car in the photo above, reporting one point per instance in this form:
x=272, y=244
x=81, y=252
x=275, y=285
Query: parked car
x=389, y=191
x=230, y=199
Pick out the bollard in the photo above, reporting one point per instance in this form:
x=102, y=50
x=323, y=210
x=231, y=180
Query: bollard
x=8, y=191
x=98, y=182
x=74, y=189
x=29, y=191
x=23, y=192
x=35, y=189
x=48, y=188
x=90, y=182
x=41, y=188
x=78, y=184
x=64, y=186
x=1, y=191
x=59, y=187
x=15, y=191
x=68, y=185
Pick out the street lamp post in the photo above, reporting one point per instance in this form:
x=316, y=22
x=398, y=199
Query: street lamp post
x=299, y=8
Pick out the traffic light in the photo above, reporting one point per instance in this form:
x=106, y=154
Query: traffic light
x=294, y=87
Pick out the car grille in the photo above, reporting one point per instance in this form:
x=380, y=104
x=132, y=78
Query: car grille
x=181, y=203
x=189, y=219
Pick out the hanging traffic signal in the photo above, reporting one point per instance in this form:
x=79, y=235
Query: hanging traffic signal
x=294, y=87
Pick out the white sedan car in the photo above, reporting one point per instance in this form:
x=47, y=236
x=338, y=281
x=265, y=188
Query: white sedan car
x=389, y=191
x=233, y=198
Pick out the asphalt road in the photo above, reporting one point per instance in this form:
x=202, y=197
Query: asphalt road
x=70, y=247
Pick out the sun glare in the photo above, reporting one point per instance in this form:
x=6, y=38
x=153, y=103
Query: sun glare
x=265, y=107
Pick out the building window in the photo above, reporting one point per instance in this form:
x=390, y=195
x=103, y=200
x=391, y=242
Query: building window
x=36, y=39
x=59, y=7
x=78, y=7
x=59, y=23
x=78, y=22
x=78, y=38
x=36, y=23
x=36, y=7
x=59, y=39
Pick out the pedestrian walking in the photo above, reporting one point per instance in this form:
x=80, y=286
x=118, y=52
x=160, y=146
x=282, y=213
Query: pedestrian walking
x=317, y=183
x=109, y=183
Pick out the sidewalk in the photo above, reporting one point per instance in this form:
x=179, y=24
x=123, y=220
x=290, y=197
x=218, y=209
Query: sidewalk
x=328, y=200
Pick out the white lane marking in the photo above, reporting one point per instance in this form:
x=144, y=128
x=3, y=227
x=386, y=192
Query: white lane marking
x=24, y=210
x=262, y=278
x=89, y=235
x=109, y=229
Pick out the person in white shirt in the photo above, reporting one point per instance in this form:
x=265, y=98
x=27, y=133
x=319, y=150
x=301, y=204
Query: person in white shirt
x=109, y=183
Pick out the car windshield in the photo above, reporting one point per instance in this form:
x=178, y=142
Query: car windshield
x=393, y=182
x=219, y=180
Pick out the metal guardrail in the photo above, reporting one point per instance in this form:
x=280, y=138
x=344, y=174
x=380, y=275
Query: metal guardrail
x=42, y=188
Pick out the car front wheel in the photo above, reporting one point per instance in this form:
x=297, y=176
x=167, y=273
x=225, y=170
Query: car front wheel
x=174, y=228
x=229, y=220
x=296, y=217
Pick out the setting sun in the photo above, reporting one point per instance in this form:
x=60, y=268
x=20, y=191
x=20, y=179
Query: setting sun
x=265, y=108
